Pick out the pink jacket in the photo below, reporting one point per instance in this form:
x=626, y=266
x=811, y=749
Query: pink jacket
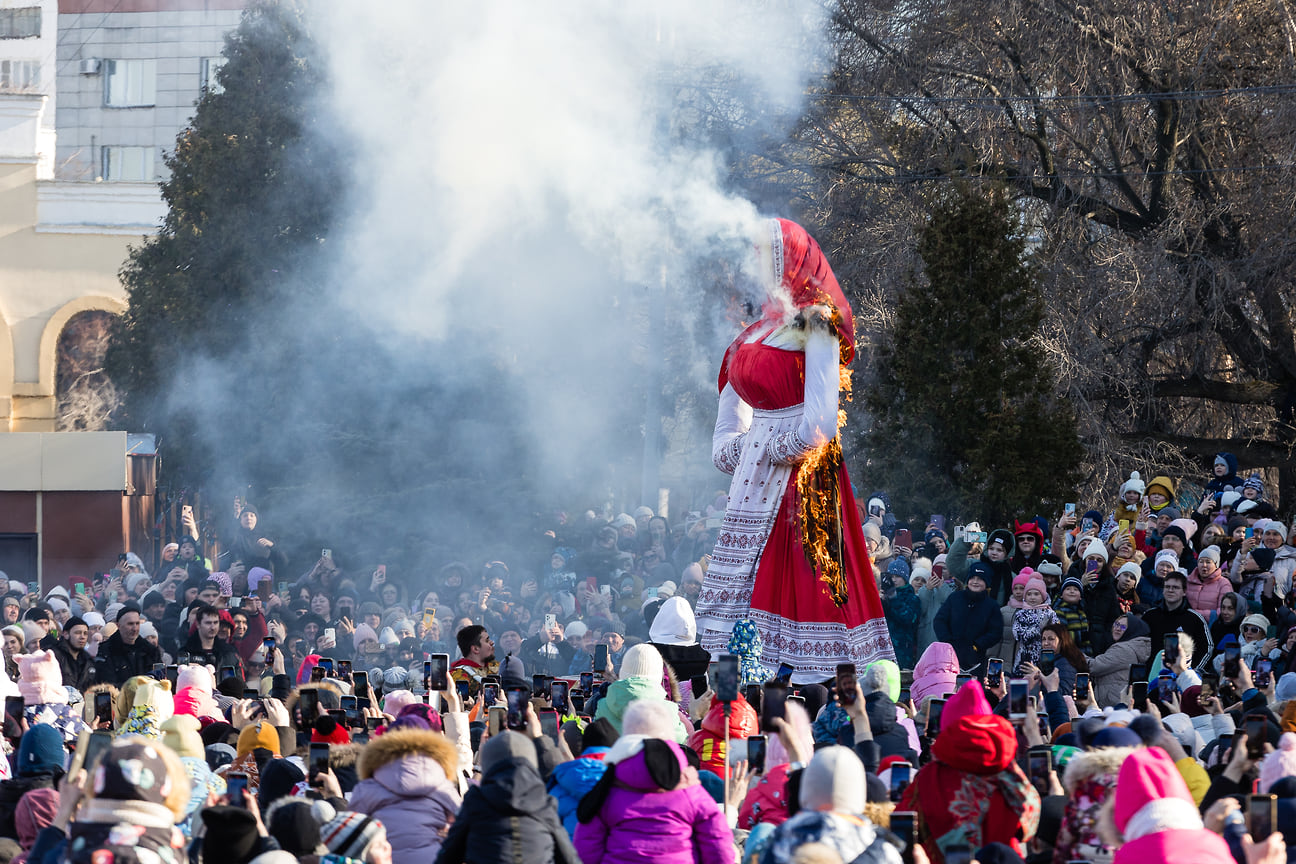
x=643, y=824
x=1182, y=846
x=1205, y=597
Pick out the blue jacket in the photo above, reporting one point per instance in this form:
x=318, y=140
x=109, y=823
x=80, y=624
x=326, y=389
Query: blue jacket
x=570, y=781
x=973, y=624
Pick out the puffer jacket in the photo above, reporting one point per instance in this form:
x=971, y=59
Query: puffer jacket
x=641, y=823
x=709, y=741
x=892, y=738
x=850, y=836
x=572, y=780
x=509, y=817
x=621, y=693
x=406, y=782
x=1109, y=671
x=766, y=802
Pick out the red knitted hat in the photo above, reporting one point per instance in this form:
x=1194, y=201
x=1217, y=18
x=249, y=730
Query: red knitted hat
x=328, y=731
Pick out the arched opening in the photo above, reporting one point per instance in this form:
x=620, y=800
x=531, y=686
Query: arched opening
x=85, y=396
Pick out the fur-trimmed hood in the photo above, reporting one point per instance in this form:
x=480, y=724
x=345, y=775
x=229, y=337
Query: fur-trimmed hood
x=1089, y=764
x=393, y=746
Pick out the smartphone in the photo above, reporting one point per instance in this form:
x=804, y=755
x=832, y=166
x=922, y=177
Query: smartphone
x=173, y=674
x=326, y=663
x=905, y=695
x=935, y=709
x=1081, y=686
x=497, y=714
x=268, y=646
x=1263, y=673
x=251, y=693
x=1138, y=672
x=344, y=670
x=360, y=683
x=1139, y=689
x=756, y=745
x=903, y=537
x=578, y=702
x=586, y=682
x=550, y=621
x=1170, y=650
x=1123, y=525
x=600, y=659
x=103, y=707
x=1017, y=690
x=88, y=747
x=773, y=703
x=228, y=672
x=1209, y=687
x=317, y=674
x=326, y=553
x=1165, y=687
x=1250, y=532
x=236, y=787
x=319, y=760
x=958, y=854
x=549, y=724
x=1047, y=661
x=436, y=670
x=558, y=697
x=1255, y=730
x=975, y=536
x=79, y=587
x=847, y=688
x=1040, y=762
x=351, y=706
x=727, y=678
x=961, y=679
x=463, y=690
x=517, y=698
x=372, y=723
x=490, y=694
x=900, y=774
x=1222, y=745
x=538, y=687
x=1068, y=509
x=785, y=671
x=1262, y=816
x=904, y=824
x=308, y=702
x=1232, y=660
x=159, y=671
x=994, y=672
x=14, y=707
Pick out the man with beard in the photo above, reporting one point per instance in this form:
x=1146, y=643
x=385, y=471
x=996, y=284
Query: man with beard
x=206, y=647
x=76, y=665
x=478, y=659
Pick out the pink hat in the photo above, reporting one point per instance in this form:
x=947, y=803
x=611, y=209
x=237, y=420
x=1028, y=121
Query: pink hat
x=969, y=701
x=1037, y=584
x=1188, y=525
x=1023, y=577
x=1151, y=796
x=397, y=700
x=935, y=672
x=194, y=702
x=41, y=679
x=1279, y=764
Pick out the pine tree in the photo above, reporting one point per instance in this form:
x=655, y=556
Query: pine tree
x=964, y=419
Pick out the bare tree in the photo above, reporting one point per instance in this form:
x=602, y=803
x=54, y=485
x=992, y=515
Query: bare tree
x=85, y=394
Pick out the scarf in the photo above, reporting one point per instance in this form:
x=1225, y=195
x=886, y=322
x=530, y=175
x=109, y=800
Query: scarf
x=973, y=809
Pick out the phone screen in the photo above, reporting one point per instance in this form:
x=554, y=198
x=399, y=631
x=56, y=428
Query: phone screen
x=228, y=672
x=344, y=669
x=308, y=702
x=1262, y=813
x=600, y=658
x=961, y=679
x=351, y=705
x=98, y=743
x=1232, y=660
x=549, y=724
x=899, y=779
x=1255, y=730
x=236, y=784
x=847, y=690
x=497, y=714
x=103, y=707
x=490, y=694
x=319, y=760
x=558, y=698
x=727, y=678
x=360, y=682
x=994, y=672
x=934, y=710
x=1140, y=694
x=1081, y=686
x=958, y=855
x=1264, y=672
x=1017, y=690
x=1171, y=649
x=518, y=698
x=1040, y=761
x=756, y=745
x=436, y=670
x=904, y=824
x=774, y=703
x=14, y=706
x=785, y=672
x=326, y=663
x=587, y=681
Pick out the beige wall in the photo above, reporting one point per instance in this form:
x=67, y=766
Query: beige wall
x=46, y=277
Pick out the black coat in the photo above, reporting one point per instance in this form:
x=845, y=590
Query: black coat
x=117, y=662
x=971, y=622
x=892, y=738
x=221, y=654
x=1102, y=607
x=78, y=672
x=509, y=817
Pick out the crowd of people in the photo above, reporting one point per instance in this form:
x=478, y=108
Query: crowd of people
x=1116, y=684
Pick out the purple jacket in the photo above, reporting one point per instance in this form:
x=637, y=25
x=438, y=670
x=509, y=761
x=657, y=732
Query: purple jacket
x=414, y=800
x=643, y=824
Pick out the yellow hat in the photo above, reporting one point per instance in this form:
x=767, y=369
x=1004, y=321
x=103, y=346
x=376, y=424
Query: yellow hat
x=259, y=734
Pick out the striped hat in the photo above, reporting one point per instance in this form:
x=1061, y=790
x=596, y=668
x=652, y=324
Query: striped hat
x=351, y=834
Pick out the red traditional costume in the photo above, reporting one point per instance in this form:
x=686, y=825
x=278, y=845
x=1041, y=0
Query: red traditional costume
x=785, y=556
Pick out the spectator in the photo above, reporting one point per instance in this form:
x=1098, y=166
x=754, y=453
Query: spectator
x=124, y=654
x=406, y=782
x=77, y=665
x=970, y=620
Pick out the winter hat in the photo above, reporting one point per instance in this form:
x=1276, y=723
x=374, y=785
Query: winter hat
x=1211, y=552
x=1264, y=557
x=350, y=834
x=1037, y=584
x=294, y=824
x=195, y=675
x=872, y=532
x=599, y=733
x=396, y=700
x=979, y=570
x=259, y=734
x=1071, y=582
x=1096, y=549
x=1175, y=531
x=575, y=630
x=1188, y=526
x=35, y=811
x=231, y=835
x=1246, y=505
x=40, y=751
x=1254, y=482
x=675, y=624
x=420, y=716
x=505, y=746
x=1271, y=525
x=279, y=779
x=898, y=567
x=363, y=632
x=1133, y=484
x=1255, y=619
x=969, y=701
x=1023, y=577
x=1131, y=568
x=834, y=780
x=256, y=576
x=642, y=661
x=1285, y=690
x=1151, y=796
x=1167, y=555
x=1278, y=764
x=328, y=731
x=881, y=675
x=395, y=678
x=1163, y=485
x=1230, y=498
x=388, y=638
x=181, y=733
x=666, y=589
x=651, y=718
x=40, y=678
x=1049, y=568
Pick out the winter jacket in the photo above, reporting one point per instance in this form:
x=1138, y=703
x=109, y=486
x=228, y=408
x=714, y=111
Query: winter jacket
x=1028, y=628
x=222, y=653
x=1090, y=780
x=621, y=693
x=709, y=741
x=1102, y=607
x=1008, y=643
x=970, y=621
x=1204, y=595
x=931, y=600
x=892, y=738
x=572, y=780
x=903, y=610
x=642, y=823
x=79, y=671
x=935, y=674
x=509, y=817
x=852, y=837
x=766, y=802
x=1162, y=621
x=117, y=662
x=12, y=791
x=1110, y=669
x=1284, y=567
x=406, y=782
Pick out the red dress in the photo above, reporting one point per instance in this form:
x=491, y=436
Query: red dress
x=759, y=569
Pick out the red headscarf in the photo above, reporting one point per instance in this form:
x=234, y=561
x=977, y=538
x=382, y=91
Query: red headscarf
x=802, y=270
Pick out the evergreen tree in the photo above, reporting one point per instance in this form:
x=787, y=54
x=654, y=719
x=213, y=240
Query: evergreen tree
x=964, y=417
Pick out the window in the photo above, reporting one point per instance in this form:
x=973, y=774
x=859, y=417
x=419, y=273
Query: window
x=130, y=83
x=127, y=164
x=18, y=75
x=21, y=23
x=207, y=79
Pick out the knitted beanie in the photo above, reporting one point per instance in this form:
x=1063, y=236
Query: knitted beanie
x=1279, y=764
x=642, y=661
x=259, y=734
x=351, y=834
